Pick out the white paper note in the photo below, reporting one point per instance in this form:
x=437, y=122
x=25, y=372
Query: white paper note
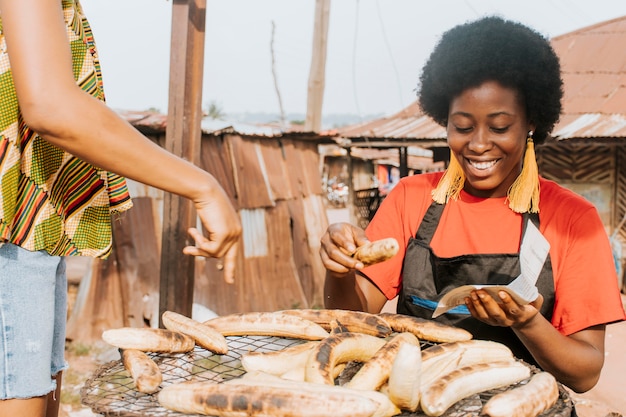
x=523, y=289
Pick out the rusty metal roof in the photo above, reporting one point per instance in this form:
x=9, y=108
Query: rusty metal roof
x=593, y=61
x=150, y=122
x=408, y=124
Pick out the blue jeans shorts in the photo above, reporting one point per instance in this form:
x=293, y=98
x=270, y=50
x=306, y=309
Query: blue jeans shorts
x=33, y=310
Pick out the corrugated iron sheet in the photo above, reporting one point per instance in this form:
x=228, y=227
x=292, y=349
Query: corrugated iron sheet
x=153, y=122
x=591, y=126
x=409, y=123
x=594, y=75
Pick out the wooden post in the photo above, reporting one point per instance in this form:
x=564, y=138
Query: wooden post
x=353, y=211
x=182, y=138
x=403, y=152
x=315, y=93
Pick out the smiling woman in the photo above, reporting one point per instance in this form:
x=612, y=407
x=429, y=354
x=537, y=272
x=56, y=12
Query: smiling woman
x=495, y=85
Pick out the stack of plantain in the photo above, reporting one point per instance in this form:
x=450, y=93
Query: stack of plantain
x=394, y=373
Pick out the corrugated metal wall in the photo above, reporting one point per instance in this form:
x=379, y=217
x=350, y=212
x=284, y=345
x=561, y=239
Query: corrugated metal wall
x=589, y=169
x=275, y=185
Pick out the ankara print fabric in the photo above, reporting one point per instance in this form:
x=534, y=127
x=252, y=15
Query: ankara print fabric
x=49, y=199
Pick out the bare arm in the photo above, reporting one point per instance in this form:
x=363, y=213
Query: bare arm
x=345, y=288
x=575, y=360
x=56, y=108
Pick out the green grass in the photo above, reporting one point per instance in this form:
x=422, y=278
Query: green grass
x=77, y=348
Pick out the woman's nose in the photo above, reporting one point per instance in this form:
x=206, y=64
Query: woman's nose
x=479, y=142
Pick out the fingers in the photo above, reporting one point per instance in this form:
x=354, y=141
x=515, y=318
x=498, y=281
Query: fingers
x=336, y=260
x=216, y=246
x=338, y=244
x=230, y=261
x=196, y=236
x=214, y=249
x=538, y=302
x=504, y=312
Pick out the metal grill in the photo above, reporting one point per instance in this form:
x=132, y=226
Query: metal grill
x=111, y=391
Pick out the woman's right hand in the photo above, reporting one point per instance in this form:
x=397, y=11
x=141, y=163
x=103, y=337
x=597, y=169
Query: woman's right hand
x=338, y=244
x=223, y=230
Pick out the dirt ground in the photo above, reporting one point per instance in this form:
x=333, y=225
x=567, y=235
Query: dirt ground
x=609, y=395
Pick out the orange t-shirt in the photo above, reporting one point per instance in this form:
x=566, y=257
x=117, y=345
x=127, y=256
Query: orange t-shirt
x=585, y=280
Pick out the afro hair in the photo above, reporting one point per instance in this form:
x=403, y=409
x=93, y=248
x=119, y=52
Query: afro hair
x=494, y=49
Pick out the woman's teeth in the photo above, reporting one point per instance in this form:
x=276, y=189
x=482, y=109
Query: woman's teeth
x=483, y=165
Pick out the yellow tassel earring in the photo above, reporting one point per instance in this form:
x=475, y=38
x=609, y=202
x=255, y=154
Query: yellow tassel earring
x=523, y=195
x=451, y=184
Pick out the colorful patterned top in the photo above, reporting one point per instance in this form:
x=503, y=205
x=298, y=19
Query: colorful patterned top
x=49, y=199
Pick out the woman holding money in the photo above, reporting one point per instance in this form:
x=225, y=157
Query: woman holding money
x=496, y=87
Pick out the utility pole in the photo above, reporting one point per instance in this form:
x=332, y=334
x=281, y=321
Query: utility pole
x=315, y=92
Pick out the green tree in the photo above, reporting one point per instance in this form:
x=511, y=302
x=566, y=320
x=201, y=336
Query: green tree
x=214, y=111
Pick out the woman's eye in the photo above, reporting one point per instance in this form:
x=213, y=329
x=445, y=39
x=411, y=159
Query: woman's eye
x=500, y=129
x=463, y=129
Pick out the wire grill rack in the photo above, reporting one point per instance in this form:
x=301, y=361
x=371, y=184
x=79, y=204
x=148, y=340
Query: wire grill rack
x=111, y=391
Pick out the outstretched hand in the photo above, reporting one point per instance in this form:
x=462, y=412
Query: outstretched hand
x=223, y=227
x=503, y=312
x=338, y=244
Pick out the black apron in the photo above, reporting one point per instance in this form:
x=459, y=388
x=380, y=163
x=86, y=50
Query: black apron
x=426, y=277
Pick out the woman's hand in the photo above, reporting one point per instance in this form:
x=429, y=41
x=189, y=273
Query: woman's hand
x=223, y=227
x=504, y=312
x=343, y=288
x=338, y=244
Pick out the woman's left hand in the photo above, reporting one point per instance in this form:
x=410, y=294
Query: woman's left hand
x=503, y=312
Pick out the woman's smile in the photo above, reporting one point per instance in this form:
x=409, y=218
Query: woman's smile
x=482, y=165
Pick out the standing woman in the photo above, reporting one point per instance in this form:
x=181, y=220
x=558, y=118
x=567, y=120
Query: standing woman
x=63, y=156
x=496, y=87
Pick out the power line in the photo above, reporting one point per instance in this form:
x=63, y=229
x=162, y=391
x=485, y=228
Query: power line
x=393, y=62
x=354, y=48
x=274, y=76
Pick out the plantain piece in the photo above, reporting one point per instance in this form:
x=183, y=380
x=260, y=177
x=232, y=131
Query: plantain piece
x=440, y=359
x=435, y=367
x=470, y=380
x=148, y=339
x=378, y=251
x=250, y=400
x=335, y=326
x=339, y=348
x=144, y=371
x=267, y=324
x=294, y=374
x=353, y=321
x=297, y=374
x=375, y=372
x=386, y=407
x=424, y=329
x=403, y=385
x=539, y=394
x=279, y=362
x=477, y=351
x=204, y=336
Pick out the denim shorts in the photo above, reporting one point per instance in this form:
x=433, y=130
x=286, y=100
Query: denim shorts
x=33, y=310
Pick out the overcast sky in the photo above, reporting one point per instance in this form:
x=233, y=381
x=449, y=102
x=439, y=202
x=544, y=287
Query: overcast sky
x=375, y=52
